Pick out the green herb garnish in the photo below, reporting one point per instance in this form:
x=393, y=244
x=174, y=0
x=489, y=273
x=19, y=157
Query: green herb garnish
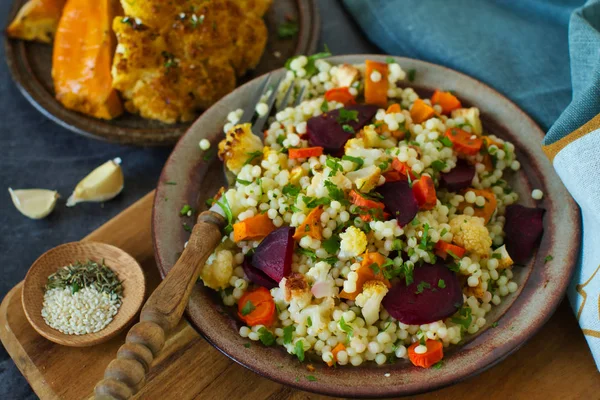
x=548, y=258
x=390, y=60
x=346, y=328
x=439, y=165
x=441, y=284
x=248, y=308
x=228, y=214
x=494, y=324
x=186, y=227
x=347, y=128
x=324, y=106
x=253, y=156
x=465, y=318
x=299, y=350
x=265, y=336
x=422, y=286
x=438, y=365
x=331, y=245
x=242, y=182
x=311, y=378
x=291, y=190
x=171, y=183
x=185, y=210
x=309, y=322
x=287, y=334
x=247, y=345
x=335, y=192
x=81, y=275
x=412, y=73
x=347, y=116
x=287, y=29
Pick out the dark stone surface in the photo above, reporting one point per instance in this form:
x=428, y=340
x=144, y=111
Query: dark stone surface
x=37, y=153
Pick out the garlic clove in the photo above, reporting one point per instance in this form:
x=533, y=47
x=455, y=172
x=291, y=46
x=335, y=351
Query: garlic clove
x=102, y=184
x=34, y=203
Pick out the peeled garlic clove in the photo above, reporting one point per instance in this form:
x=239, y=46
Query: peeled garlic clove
x=34, y=203
x=102, y=184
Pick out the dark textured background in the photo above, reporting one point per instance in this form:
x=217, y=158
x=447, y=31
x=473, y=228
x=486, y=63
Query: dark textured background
x=36, y=153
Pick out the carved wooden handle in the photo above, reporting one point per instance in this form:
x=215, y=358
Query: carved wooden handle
x=126, y=374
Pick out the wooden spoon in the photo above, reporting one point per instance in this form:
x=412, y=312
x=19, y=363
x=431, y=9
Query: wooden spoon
x=125, y=375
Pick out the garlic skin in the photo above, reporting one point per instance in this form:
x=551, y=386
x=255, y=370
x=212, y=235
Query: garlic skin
x=102, y=184
x=34, y=203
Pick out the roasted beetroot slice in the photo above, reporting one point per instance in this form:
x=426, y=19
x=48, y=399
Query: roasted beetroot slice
x=435, y=294
x=257, y=276
x=399, y=201
x=459, y=177
x=523, y=227
x=326, y=131
x=273, y=256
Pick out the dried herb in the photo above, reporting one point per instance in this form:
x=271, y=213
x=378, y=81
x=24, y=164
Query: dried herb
x=81, y=275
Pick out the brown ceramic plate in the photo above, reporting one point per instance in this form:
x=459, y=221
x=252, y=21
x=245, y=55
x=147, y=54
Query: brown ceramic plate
x=31, y=63
x=541, y=285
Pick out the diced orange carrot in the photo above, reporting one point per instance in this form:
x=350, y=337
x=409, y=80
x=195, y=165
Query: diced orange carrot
x=446, y=100
x=487, y=210
x=443, y=249
x=464, y=142
x=421, y=111
x=305, y=152
x=394, y=176
x=339, y=347
x=394, y=108
x=434, y=354
x=403, y=168
x=311, y=225
x=362, y=202
x=424, y=191
x=257, y=307
x=376, y=92
x=253, y=228
x=341, y=95
x=366, y=273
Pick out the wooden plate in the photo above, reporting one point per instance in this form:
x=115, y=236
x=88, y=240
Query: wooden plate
x=31, y=63
x=521, y=314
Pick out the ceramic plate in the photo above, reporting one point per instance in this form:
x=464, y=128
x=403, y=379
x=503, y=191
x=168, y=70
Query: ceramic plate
x=541, y=285
x=31, y=63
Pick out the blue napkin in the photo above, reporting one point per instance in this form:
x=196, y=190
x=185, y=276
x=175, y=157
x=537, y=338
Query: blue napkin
x=542, y=54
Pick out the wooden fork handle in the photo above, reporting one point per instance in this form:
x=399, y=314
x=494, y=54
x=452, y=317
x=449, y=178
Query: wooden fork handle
x=125, y=375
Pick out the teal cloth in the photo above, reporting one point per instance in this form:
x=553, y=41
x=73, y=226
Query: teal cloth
x=542, y=54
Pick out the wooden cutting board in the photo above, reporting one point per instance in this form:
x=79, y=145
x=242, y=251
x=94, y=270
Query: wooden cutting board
x=555, y=364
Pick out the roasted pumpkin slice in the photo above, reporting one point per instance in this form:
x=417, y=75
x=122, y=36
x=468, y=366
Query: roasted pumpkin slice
x=37, y=20
x=82, y=59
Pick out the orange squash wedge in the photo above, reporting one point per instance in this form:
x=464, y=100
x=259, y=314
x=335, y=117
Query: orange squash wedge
x=82, y=59
x=37, y=20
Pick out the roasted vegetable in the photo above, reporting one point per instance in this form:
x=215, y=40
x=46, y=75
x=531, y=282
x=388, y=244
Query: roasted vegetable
x=37, y=20
x=82, y=58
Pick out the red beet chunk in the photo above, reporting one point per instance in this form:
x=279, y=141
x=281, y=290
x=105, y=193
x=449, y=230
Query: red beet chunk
x=524, y=227
x=399, y=201
x=257, y=276
x=435, y=294
x=326, y=130
x=273, y=256
x=459, y=177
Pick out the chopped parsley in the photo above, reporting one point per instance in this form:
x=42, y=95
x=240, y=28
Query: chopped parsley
x=390, y=60
x=422, y=286
x=308, y=253
x=309, y=322
x=494, y=324
x=287, y=30
x=291, y=190
x=311, y=378
x=347, y=116
x=247, y=345
x=335, y=192
x=334, y=164
x=248, y=308
x=439, y=165
x=265, y=336
x=451, y=253
x=425, y=238
x=438, y=365
x=310, y=67
x=186, y=227
x=170, y=183
x=287, y=334
x=497, y=256
x=375, y=268
x=253, y=156
x=324, y=106
x=346, y=328
x=548, y=258
x=299, y=350
x=465, y=318
x=347, y=128
x=331, y=245
x=312, y=202
x=412, y=73
x=441, y=284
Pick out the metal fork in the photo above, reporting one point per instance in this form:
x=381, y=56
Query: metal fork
x=259, y=123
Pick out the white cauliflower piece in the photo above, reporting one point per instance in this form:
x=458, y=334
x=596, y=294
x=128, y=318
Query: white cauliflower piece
x=470, y=232
x=346, y=75
x=365, y=179
x=319, y=272
x=320, y=315
x=341, y=181
x=356, y=148
x=323, y=283
x=297, y=292
x=372, y=139
x=505, y=261
x=471, y=116
x=354, y=243
x=370, y=300
x=218, y=270
x=237, y=146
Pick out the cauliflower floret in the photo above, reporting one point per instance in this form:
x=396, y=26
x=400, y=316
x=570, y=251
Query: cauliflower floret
x=354, y=243
x=319, y=272
x=356, y=148
x=297, y=292
x=372, y=139
x=470, y=232
x=365, y=179
x=346, y=75
x=370, y=300
x=504, y=261
x=239, y=142
x=471, y=116
x=218, y=270
x=320, y=315
x=323, y=283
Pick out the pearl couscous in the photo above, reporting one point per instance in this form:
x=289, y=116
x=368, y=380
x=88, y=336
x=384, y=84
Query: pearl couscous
x=328, y=212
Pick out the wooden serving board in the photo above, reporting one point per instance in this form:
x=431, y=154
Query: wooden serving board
x=555, y=364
